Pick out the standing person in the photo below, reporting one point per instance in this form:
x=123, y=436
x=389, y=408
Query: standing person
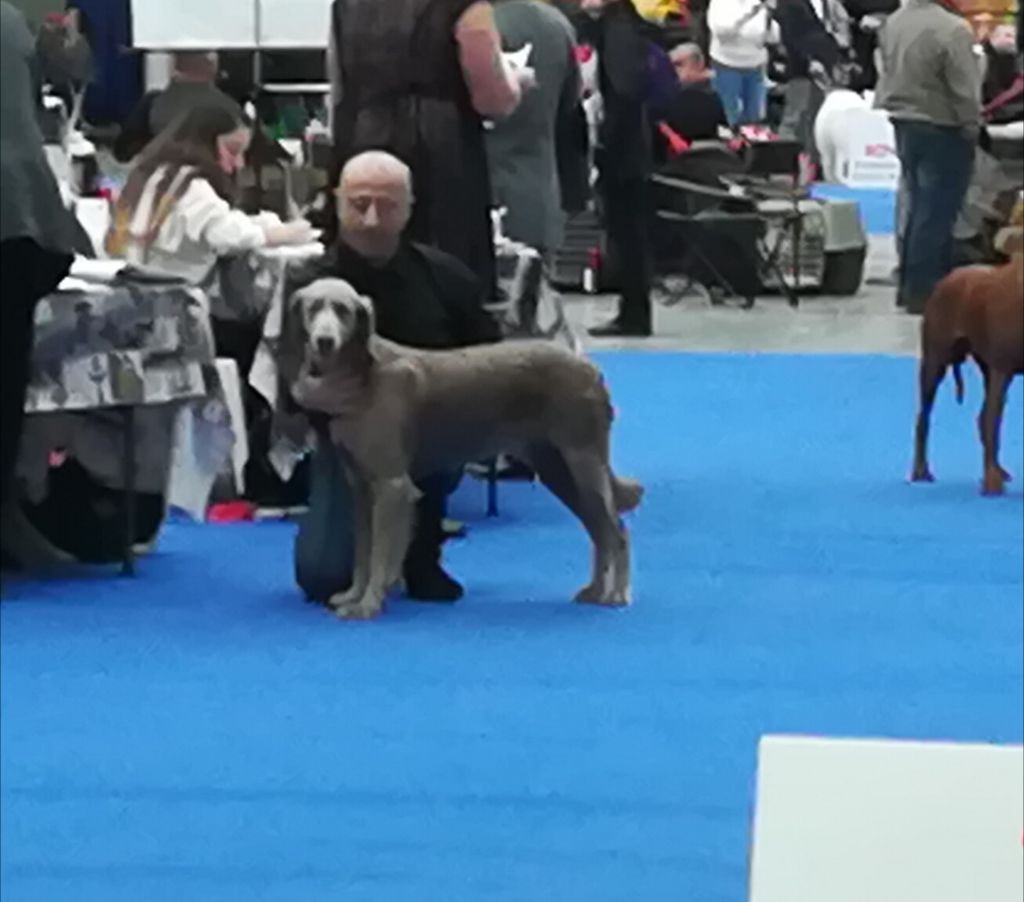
x=193, y=84
x=739, y=54
x=525, y=149
x=810, y=31
x=931, y=88
x=414, y=77
x=36, y=229
x=618, y=34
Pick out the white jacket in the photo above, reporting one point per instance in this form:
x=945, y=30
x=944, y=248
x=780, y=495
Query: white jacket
x=201, y=227
x=741, y=46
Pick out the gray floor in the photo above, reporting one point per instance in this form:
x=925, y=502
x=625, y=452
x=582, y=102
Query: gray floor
x=868, y=323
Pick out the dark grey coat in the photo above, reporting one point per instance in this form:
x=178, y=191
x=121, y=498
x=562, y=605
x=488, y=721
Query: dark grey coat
x=523, y=150
x=30, y=202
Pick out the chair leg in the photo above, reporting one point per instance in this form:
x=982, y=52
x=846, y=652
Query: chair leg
x=128, y=508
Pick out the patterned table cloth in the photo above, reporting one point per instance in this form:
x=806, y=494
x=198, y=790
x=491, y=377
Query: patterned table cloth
x=100, y=349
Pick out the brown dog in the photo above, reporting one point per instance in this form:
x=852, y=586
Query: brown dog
x=396, y=414
x=976, y=311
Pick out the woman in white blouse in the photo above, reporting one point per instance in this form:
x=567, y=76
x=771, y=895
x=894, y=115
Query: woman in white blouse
x=175, y=216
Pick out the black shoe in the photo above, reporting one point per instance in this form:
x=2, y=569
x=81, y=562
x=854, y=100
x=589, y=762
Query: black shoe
x=429, y=582
x=621, y=328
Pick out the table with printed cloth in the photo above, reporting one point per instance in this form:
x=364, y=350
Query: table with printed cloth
x=112, y=366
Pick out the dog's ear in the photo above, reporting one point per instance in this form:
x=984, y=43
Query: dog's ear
x=291, y=351
x=366, y=320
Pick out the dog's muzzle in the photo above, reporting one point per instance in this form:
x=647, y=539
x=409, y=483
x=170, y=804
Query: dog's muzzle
x=325, y=333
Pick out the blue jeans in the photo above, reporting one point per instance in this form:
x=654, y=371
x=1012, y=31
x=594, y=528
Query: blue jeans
x=742, y=92
x=937, y=162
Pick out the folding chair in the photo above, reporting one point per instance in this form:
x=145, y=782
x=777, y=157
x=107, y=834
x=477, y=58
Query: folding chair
x=708, y=226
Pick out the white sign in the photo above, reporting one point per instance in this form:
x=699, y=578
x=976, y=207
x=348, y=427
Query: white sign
x=883, y=821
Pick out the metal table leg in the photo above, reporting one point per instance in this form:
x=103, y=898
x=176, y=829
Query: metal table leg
x=128, y=464
x=492, y=488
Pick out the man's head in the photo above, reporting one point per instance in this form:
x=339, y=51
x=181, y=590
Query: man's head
x=688, y=61
x=192, y=66
x=374, y=204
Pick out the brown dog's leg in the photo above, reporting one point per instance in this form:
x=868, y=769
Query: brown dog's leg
x=989, y=422
x=930, y=376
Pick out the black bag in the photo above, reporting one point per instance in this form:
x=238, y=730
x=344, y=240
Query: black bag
x=325, y=544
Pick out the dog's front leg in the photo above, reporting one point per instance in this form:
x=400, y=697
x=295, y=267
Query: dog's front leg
x=361, y=526
x=391, y=510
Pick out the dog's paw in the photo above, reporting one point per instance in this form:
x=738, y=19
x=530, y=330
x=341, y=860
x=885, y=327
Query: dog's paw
x=345, y=599
x=993, y=484
x=593, y=595
x=922, y=474
x=357, y=612
x=365, y=607
x=589, y=594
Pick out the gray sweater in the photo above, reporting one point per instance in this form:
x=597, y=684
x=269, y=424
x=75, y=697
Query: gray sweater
x=30, y=201
x=930, y=73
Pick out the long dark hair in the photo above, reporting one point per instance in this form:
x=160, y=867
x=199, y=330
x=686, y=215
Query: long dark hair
x=190, y=141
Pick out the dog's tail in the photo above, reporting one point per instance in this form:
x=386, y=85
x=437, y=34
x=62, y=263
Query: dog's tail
x=627, y=492
x=958, y=378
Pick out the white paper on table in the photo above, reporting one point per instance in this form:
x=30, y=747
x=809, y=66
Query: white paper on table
x=102, y=271
x=69, y=283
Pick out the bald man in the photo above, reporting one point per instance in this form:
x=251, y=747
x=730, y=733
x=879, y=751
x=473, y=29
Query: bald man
x=422, y=297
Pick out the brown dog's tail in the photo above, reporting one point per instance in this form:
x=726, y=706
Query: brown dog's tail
x=958, y=378
x=627, y=492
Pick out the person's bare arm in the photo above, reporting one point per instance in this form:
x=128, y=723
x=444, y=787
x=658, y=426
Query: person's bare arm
x=493, y=89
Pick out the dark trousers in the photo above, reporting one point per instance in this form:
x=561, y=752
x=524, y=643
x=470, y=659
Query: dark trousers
x=937, y=162
x=626, y=209
x=431, y=509
x=27, y=274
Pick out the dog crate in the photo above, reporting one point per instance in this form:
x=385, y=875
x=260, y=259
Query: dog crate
x=846, y=248
x=796, y=233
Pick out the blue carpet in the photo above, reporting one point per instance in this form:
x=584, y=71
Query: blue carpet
x=877, y=205
x=202, y=734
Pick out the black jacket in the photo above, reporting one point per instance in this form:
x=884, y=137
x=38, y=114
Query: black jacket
x=805, y=38
x=619, y=36
x=423, y=298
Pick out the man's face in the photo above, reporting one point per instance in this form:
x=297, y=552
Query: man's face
x=373, y=211
x=689, y=70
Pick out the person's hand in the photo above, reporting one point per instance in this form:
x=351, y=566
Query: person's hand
x=298, y=231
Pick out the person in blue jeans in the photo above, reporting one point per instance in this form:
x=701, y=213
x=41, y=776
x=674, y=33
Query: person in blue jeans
x=931, y=89
x=740, y=31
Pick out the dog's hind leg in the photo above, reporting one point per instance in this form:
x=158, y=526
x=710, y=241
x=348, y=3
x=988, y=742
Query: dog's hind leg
x=553, y=471
x=930, y=376
x=989, y=422
x=595, y=505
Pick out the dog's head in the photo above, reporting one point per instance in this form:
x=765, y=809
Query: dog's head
x=333, y=325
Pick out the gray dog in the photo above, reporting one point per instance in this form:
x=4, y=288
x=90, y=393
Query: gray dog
x=397, y=413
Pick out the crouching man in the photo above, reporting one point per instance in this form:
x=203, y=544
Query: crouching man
x=422, y=297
